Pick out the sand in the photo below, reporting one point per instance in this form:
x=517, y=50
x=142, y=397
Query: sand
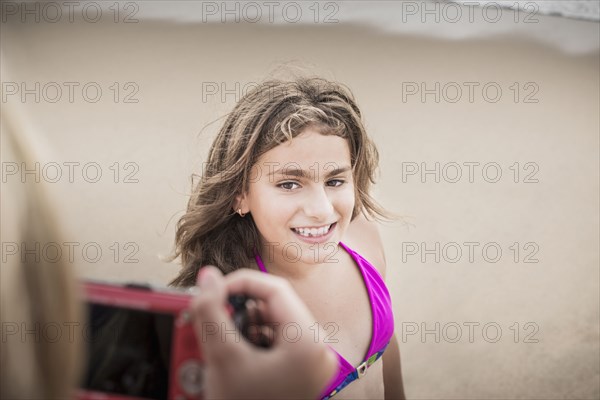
x=533, y=310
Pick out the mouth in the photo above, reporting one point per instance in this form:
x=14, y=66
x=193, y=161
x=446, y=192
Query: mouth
x=317, y=232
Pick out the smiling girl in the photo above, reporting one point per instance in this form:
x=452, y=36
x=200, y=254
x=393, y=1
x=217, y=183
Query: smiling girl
x=286, y=191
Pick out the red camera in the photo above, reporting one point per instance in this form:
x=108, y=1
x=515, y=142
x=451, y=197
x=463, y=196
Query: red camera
x=141, y=343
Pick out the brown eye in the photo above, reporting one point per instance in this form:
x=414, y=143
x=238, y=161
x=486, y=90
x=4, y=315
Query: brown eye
x=339, y=182
x=286, y=185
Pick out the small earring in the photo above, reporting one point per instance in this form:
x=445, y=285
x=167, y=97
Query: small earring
x=240, y=212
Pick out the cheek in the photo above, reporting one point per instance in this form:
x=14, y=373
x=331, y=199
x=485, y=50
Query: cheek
x=345, y=207
x=346, y=199
x=271, y=214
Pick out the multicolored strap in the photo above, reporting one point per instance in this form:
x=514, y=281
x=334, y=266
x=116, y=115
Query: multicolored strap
x=358, y=373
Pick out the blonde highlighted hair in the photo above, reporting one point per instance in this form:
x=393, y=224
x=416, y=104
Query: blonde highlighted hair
x=40, y=355
x=271, y=113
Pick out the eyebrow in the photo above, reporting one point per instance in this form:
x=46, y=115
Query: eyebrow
x=304, y=174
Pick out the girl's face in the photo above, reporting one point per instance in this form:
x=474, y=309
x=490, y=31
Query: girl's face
x=301, y=197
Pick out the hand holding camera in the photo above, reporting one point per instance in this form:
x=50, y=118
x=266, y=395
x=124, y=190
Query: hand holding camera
x=238, y=369
x=221, y=341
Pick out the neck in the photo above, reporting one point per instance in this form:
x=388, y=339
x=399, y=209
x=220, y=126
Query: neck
x=278, y=263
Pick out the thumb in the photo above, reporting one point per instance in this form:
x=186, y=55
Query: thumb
x=211, y=319
x=210, y=282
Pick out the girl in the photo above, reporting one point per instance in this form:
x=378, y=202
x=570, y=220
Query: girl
x=40, y=302
x=294, y=164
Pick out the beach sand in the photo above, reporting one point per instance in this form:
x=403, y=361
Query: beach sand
x=547, y=310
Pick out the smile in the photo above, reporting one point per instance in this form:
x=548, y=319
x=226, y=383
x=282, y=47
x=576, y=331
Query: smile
x=314, y=231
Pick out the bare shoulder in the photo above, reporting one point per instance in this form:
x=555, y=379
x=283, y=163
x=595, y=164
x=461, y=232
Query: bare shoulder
x=363, y=237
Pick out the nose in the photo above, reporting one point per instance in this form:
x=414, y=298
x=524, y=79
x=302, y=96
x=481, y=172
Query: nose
x=318, y=205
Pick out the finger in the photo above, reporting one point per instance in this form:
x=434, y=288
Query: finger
x=258, y=285
x=261, y=335
x=211, y=318
x=267, y=331
x=261, y=308
x=281, y=303
x=253, y=313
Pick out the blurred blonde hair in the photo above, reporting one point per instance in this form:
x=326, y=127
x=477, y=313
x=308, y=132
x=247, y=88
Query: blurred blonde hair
x=39, y=298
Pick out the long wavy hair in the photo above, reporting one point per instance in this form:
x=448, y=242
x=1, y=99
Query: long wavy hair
x=273, y=112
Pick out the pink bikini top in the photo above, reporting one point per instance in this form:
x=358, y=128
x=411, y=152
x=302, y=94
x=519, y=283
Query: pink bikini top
x=382, y=330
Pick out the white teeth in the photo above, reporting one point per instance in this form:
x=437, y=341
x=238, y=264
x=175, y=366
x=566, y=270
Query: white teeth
x=313, y=231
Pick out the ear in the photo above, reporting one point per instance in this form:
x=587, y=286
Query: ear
x=241, y=202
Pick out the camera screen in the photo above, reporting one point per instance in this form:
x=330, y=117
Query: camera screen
x=129, y=351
